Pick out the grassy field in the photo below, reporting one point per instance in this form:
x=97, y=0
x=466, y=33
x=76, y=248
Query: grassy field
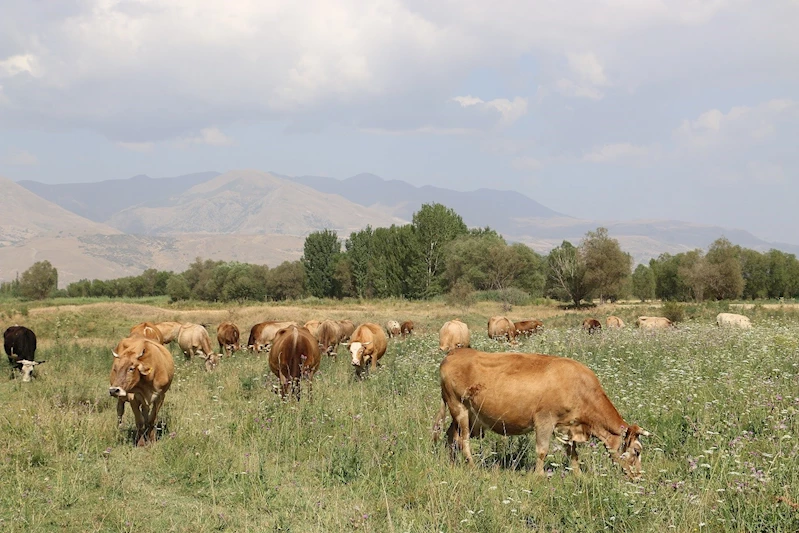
x=722, y=406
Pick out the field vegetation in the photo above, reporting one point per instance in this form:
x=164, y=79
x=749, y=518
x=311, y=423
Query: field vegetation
x=358, y=456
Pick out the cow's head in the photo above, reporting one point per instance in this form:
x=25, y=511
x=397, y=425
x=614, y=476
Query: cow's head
x=27, y=368
x=358, y=352
x=126, y=372
x=212, y=361
x=631, y=448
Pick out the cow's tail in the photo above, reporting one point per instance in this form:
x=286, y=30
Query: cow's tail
x=440, y=417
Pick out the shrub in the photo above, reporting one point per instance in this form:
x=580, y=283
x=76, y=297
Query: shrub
x=673, y=311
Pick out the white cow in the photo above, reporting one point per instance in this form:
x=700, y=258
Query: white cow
x=732, y=320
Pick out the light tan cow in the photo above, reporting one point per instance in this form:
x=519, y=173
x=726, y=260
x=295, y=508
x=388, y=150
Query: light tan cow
x=614, y=322
x=262, y=335
x=312, y=326
x=653, y=322
x=499, y=327
x=194, y=339
x=141, y=374
x=347, y=327
x=733, y=320
x=368, y=344
x=169, y=330
x=515, y=393
x=393, y=328
x=294, y=355
x=148, y=331
x=453, y=334
x=227, y=335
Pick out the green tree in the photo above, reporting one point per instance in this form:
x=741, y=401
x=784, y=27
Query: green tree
x=39, y=281
x=693, y=272
x=755, y=272
x=643, y=283
x=177, y=288
x=319, y=258
x=286, y=281
x=724, y=276
x=566, y=274
x=607, y=267
x=435, y=225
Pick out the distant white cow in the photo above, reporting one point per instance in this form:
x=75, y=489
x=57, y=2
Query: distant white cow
x=732, y=320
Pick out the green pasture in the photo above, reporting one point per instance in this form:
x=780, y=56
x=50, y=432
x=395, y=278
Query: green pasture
x=357, y=455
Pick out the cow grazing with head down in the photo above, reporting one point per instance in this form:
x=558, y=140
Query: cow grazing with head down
x=393, y=328
x=515, y=393
x=328, y=335
x=19, y=343
x=262, y=335
x=227, y=335
x=368, y=344
x=346, y=329
x=614, y=322
x=294, y=355
x=142, y=373
x=654, y=322
x=500, y=327
x=406, y=328
x=528, y=327
x=312, y=326
x=733, y=320
x=148, y=330
x=453, y=334
x=194, y=339
x=592, y=325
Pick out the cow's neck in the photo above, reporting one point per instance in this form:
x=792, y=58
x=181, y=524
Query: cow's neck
x=612, y=436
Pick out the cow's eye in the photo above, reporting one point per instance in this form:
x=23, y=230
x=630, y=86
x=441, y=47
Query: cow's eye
x=130, y=369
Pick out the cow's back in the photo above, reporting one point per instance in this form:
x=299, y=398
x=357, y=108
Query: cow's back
x=500, y=326
x=19, y=344
x=293, y=348
x=453, y=334
x=148, y=330
x=328, y=335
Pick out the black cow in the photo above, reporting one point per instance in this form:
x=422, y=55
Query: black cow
x=20, y=346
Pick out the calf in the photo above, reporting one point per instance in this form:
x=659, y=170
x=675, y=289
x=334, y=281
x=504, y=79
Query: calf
x=528, y=327
x=406, y=328
x=592, y=325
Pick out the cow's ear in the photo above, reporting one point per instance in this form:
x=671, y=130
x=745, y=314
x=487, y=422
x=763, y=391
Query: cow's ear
x=116, y=355
x=367, y=343
x=144, y=371
x=40, y=362
x=141, y=354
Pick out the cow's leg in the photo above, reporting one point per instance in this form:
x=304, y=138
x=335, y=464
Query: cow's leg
x=571, y=451
x=137, y=414
x=146, y=411
x=153, y=416
x=120, y=411
x=460, y=414
x=543, y=434
x=285, y=383
x=452, y=442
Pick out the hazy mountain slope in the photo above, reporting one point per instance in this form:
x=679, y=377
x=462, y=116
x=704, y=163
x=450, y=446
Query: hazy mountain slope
x=249, y=201
x=100, y=200
x=24, y=215
x=483, y=207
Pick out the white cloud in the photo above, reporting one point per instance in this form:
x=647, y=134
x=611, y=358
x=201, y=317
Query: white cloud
x=613, y=153
x=141, y=147
x=509, y=110
x=526, y=163
x=19, y=157
x=569, y=88
x=588, y=68
x=209, y=136
x=14, y=65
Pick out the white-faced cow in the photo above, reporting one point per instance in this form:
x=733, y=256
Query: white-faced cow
x=294, y=355
x=368, y=344
x=19, y=343
x=142, y=373
x=515, y=393
x=453, y=334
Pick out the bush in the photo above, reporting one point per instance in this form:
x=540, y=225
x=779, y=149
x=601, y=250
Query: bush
x=510, y=296
x=673, y=311
x=461, y=294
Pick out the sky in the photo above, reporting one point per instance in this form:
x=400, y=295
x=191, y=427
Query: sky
x=600, y=109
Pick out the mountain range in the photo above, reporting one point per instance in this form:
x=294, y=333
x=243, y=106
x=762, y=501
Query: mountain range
x=121, y=227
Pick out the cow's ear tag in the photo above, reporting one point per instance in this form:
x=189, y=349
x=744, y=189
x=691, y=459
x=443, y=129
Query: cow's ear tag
x=144, y=371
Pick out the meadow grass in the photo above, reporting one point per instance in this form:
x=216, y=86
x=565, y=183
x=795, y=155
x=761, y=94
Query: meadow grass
x=357, y=455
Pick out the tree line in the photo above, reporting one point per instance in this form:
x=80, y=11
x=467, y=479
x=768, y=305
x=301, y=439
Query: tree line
x=437, y=254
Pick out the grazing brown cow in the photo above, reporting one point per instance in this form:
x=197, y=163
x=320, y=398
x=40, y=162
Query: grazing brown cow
x=406, y=328
x=294, y=355
x=142, y=374
x=592, y=325
x=368, y=343
x=212, y=361
x=262, y=335
x=393, y=328
x=148, y=330
x=169, y=330
x=614, y=322
x=227, y=335
x=528, y=327
x=193, y=339
x=515, y=393
x=312, y=326
x=499, y=327
x=453, y=334
x=347, y=327
x=654, y=322
x=328, y=335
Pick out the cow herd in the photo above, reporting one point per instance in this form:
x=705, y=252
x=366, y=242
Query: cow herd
x=508, y=393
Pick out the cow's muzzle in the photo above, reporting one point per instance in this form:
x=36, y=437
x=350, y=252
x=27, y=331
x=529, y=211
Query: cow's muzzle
x=117, y=392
